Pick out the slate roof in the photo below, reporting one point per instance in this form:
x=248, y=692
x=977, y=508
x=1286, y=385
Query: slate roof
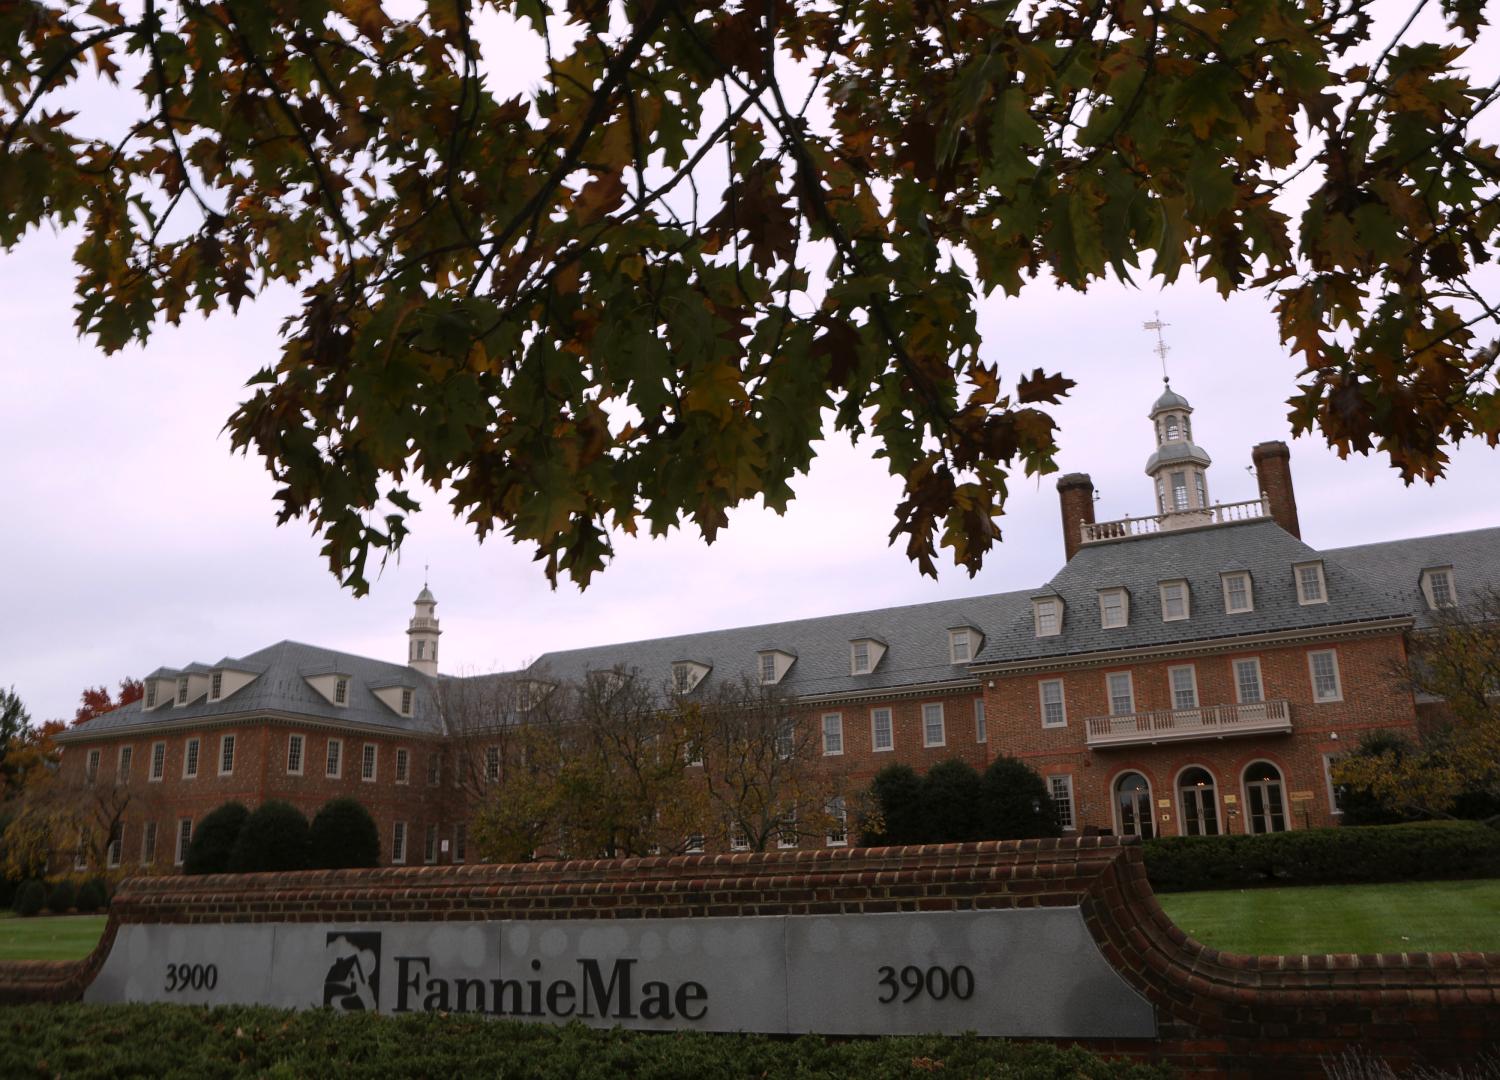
x=283, y=688
x=1140, y=564
x=1395, y=567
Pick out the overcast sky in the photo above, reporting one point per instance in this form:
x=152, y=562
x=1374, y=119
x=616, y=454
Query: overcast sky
x=131, y=538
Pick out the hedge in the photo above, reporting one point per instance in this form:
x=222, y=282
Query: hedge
x=343, y=835
x=1421, y=851
x=274, y=838
x=92, y=896
x=31, y=896
x=61, y=896
x=94, y=1041
x=213, y=840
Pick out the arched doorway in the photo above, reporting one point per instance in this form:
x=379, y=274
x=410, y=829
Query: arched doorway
x=1133, y=806
x=1265, y=806
x=1198, y=803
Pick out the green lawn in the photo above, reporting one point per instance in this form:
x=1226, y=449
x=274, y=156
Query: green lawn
x=56, y=937
x=1418, y=916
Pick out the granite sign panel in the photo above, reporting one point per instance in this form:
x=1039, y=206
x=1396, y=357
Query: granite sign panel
x=1033, y=972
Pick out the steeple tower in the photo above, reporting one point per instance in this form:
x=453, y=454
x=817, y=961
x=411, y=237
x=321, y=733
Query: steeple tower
x=1178, y=466
x=422, y=634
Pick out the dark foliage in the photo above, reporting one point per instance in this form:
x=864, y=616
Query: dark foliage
x=897, y=790
x=31, y=897
x=91, y=897
x=343, y=835
x=1015, y=803
x=1359, y=804
x=213, y=840
x=62, y=896
x=953, y=803
x=274, y=838
x=950, y=802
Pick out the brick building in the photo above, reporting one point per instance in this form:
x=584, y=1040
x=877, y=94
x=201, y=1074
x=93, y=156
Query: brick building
x=1190, y=671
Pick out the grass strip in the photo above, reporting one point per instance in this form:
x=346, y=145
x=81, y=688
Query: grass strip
x=57, y=937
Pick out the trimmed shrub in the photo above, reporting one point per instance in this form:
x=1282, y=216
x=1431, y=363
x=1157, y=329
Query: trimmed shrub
x=897, y=790
x=274, y=838
x=1419, y=851
x=950, y=803
x=213, y=840
x=61, y=896
x=343, y=835
x=91, y=897
x=31, y=897
x=1015, y=803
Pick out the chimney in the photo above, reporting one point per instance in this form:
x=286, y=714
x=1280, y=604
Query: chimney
x=1273, y=471
x=1076, y=493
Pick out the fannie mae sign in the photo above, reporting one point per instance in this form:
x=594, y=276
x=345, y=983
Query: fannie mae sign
x=1031, y=972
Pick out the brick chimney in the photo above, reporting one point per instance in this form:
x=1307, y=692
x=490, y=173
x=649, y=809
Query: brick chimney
x=1076, y=493
x=1273, y=471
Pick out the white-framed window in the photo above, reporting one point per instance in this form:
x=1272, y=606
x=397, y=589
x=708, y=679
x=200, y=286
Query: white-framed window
x=295, y=747
x=151, y=694
x=1114, y=608
x=491, y=764
x=786, y=738
x=695, y=844
x=421, y=649
x=406, y=701
x=859, y=657
x=1161, y=494
x=933, y=731
x=148, y=844
x=682, y=678
x=341, y=691
x=91, y=768
x=1238, y=597
x=184, y=838
x=1048, y=616
x=738, y=841
x=1248, y=689
x=434, y=768
x=461, y=842
x=960, y=649
x=1179, y=491
x=768, y=667
x=981, y=727
x=1310, y=585
x=1184, y=680
x=786, y=833
x=1171, y=430
x=122, y=766
x=81, y=852
x=226, y=755
x=190, y=758
x=1335, y=791
x=116, y=843
x=403, y=766
x=838, y=826
x=1201, y=489
x=1121, y=688
x=1174, y=601
x=398, y=842
x=429, y=847
x=334, y=765
x=882, y=734
x=1061, y=790
x=367, y=762
x=216, y=686
x=833, y=733
x=1438, y=588
x=1323, y=666
x=158, y=761
x=182, y=690
x=1054, y=707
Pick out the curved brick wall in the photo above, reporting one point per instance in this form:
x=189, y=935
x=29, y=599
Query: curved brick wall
x=1218, y=1014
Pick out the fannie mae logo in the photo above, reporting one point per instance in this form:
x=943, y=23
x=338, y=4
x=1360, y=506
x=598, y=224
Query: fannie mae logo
x=353, y=980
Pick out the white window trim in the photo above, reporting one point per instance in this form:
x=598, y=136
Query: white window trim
x=197, y=758
x=854, y=665
x=981, y=722
x=1124, y=595
x=841, y=813
x=123, y=770
x=1191, y=669
x=1072, y=803
x=840, y=718
x=114, y=850
x=374, y=762
x=1249, y=592
x=942, y=720
x=148, y=854
x=1109, y=694
x=152, y=775
x=179, y=845
x=1037, y=607
x=1187, y=600
x=407, y=697
x=301, y=768
x=1260, y=679
x=1062, y=700
x=338, y=771
x=1427, y=593
x=890, y=717
x=341, y=683
x=91, y=764
x=1312, y=675
x=227, y=739
x=398, y=851
x=1302, y=599
x=965, y=634
x=403, y=776
x=1333, y=803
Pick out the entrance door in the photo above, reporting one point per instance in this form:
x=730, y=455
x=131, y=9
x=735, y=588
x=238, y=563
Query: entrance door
x=1263, y=790
x=1133, y=802
x=1199, y=803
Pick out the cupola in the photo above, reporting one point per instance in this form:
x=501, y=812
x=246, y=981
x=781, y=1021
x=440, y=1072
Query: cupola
x=422, y=634
x=1178, y=466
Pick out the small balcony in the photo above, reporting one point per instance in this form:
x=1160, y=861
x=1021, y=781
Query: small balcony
x=1217, y=514
x=1176, y=725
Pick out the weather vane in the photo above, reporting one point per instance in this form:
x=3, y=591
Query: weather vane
x=1161, y=344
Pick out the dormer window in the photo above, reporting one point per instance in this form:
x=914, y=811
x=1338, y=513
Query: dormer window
x=767, y=667
x=341, y=691
x=959, y=650
x=216, y=686
x=1311, y=588
x=1174, y=601
x=1114, y=608
x=1047, y=614
x=1237, y=595
x=182, y=690
x=859, y=658
x=151, y=694
x=1437, y=587
x=405, y=702
x=682, y=678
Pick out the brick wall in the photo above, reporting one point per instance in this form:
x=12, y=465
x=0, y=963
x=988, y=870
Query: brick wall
x=1217, y=1014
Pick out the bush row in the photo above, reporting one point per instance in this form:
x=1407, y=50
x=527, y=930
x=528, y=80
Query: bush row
x=1421, y=851
x=275, y=836
x=61, y=896
x=83, y=1041
x=954, y=802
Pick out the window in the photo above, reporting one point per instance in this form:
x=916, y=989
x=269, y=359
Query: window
x=1310, y=586
x=112, y=851
x=151, y=694
x=1247, y=685
x=429, y=847
x=981, y=729
x=1048, y=614
x=91, y=769
x=833, y=733
x=1171, y=428
x=958, y=646
x=1265, y=806
x=882, y=736
x=294, y=755
x=184, y=838
x=434, y=769
x=1179, y=491
x=1054, y=710
x=405, y=702
x=694, y=844
x=367, y=762
x=460, y=842
x=767, y=667
x=398, y=842
x=341, y=691
x=1237, y=596
x=1174, y=601
x=1335, y=791
x=682, y=678
x=785, y=739
x=859, y=657
x=403, y=766
x=421, y=650
x=81, y=853
x=1202, y=491
x=148, y=844
x=838, y=823
x=158, y=760
x=182, y=690
x=1061, y=788
x=786, y=831
x=335, y=764
x=216, y=686
x=933, y=732
x=1113, y=608
x=122, y=767
x=1437, y=587
x=1324, y=667
x=190, y=759
x=1133, y=807
x=492, y=764
x=1184, y=682
x=226, y=755
x=738, y=841
x=1121, y=693
x=1161, y=494
x=1197, y=803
